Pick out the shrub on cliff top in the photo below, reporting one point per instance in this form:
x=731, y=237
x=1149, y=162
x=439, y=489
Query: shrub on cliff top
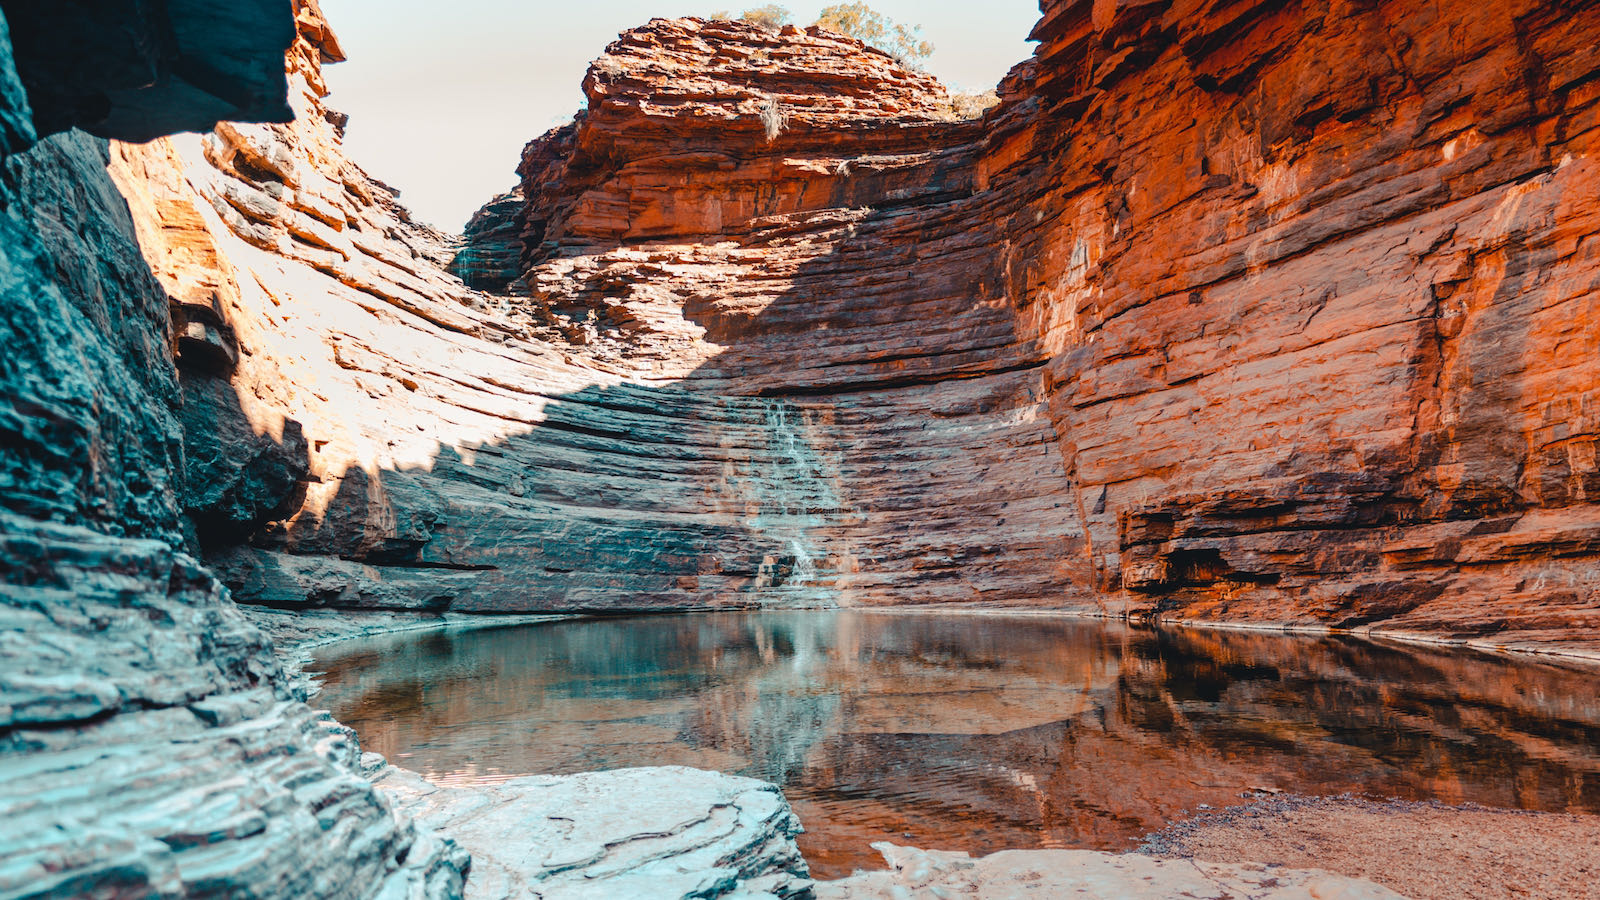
x=857, y=20
x=972, y=105
x=867, y=25
x=771, y=17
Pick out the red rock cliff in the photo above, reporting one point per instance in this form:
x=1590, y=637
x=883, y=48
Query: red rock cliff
x=1246, y=311
x=1307, y=289
x=1317, y=286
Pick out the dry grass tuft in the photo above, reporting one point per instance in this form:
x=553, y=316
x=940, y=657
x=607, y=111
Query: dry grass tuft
x=773, y=118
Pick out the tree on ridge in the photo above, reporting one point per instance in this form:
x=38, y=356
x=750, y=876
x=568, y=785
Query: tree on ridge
x=867, y=25
x=858, y=20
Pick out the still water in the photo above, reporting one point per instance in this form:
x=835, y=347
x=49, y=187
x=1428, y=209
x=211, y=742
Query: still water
x=975, y=732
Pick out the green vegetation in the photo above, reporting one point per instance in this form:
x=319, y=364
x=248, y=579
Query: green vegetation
x=771, y=17
x=973, y=105
x=865, y=24
x=857, y=20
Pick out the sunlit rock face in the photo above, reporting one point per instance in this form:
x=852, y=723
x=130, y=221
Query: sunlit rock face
x=1318, y=295
x=1195, y=323
x=150, y=744
x=479, y=452
x=1302, y=291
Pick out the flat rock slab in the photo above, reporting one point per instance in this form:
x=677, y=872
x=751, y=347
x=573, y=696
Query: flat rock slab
x=666, y=832
x=933, y=874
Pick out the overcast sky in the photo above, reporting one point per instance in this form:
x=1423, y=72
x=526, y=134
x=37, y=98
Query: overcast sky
x=442, y=97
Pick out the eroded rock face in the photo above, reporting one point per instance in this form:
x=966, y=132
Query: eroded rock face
x=1313, y=280
x=150, y=744
x=493, y=453
x=1248, y=311
x=1310, y=335
x=1190, y=325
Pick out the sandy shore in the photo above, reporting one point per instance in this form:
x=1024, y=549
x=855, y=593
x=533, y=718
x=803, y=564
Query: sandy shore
x=1426, y=851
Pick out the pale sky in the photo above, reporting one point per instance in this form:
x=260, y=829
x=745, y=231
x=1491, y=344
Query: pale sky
x=442, y=96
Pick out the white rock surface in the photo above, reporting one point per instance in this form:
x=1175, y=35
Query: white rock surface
x=659, y=833
x=940, y=875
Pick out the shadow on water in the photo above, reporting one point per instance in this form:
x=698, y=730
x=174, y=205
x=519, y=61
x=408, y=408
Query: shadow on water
x=977, y=733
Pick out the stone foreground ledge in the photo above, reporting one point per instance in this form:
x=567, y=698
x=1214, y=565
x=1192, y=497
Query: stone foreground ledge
x=675, y=832
x=665, y=833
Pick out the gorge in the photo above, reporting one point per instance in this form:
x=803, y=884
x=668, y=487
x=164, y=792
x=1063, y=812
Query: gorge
x=1230, y=313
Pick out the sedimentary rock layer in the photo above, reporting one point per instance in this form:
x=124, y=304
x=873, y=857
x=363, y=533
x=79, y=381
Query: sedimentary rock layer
x=1193, y=324
x=1315, y=280
x=150, y=744
x=1312, y=336
x=475, y=452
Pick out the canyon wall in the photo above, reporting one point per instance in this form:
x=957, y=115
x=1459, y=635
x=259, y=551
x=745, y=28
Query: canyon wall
x=1194, y=324
x=1247, y=311
x=1318, y=286
x=1297, y=299
x=365, y=430
x=151, y=744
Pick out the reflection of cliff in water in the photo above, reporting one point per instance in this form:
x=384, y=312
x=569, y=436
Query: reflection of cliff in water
x=982, y=732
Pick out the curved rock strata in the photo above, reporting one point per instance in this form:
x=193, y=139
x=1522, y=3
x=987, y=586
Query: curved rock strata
x=1245, y=311
x=1226, y=331
x=1205, y=333
x=150, y=744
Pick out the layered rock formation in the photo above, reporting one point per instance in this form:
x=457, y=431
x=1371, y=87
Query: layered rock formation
x=487, y=453
x=1315, y=279
x=1248, y=311
x=1195, y=324
x=150, y=743
x=774, y=325
x=1150, y=337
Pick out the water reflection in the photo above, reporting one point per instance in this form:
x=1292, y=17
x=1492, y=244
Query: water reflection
x=976, y=733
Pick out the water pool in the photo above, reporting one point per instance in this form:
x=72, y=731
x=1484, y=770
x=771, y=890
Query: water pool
x=975, y=732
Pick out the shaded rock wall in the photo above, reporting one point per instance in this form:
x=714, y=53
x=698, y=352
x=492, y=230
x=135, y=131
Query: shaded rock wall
x=1306, y=289
x=491, y=453
x=1193, y=324
x=1316, y=282
x=137, y=71
x=150, y=744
